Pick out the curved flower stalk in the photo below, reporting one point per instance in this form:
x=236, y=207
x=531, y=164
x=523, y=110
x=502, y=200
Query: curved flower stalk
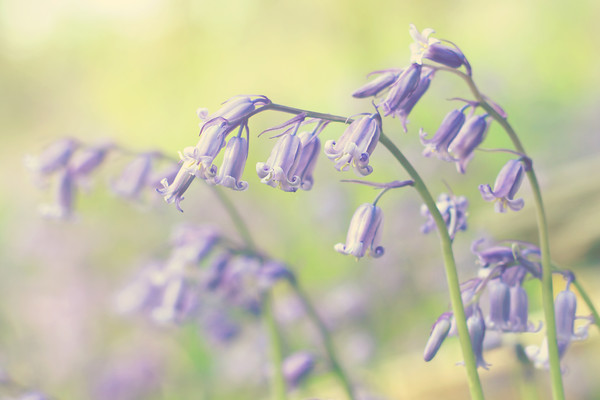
x=507, y=184
x=364, y=233
x=356, y=145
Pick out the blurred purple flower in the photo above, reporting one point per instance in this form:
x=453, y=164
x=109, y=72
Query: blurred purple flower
x=62, y=208
x=133, y=177
x=356, y=145
x=52, y=158
x=86, y=160
x=453, y=210
x=296, y=368
x=364, y=233
x=507, y=184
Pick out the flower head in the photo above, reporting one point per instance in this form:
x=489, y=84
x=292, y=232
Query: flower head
x=237, y=108
x=86, y=160
x=364, y=233
x=406, y=105
x=309, y=153
x=438, y=144
x=54, y=157
x=296, y=367
x=507, y=184
x=476, y=327
x=234, y=161
x=64, y=197
x=499, y=296
x=133, y=177
x=439, y=331
x=173, y=192
x=453, y=210
x=377, y=85
x=199, y=159
x=279, y=169
x=356, y=145
x=470, y=135
x=432, y=49
x=404, y=86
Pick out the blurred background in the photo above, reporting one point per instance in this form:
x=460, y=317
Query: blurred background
x=135, y=72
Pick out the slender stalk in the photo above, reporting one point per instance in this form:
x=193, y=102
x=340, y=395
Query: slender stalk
x=235, y=216
x=335, y=365
x=547, y=290
x=278, y=385
x=450, y=267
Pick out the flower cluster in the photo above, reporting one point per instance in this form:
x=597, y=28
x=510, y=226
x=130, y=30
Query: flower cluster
x=503, y=270
x=69, y=165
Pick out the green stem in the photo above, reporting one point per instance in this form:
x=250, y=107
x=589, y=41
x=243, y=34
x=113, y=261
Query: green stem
x=588, y=301
x=235, y=216
x=547, y=290
x=326, y=339
x=450, y=267
x=278, y=381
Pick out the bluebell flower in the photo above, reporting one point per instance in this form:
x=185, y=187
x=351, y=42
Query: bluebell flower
x=234, y=162
x=220, y=327
x=178, y=303
x=432, y=49
x=199, y=159
x=507, y=184
x=453, y=210
x=133, y=177
x=519, y=311
x=309, y=153
x=499, y=298
x=296, y=368
x=236, y=108
x=406, y=105
x=467, y=139
x=88, y=159
x=356, y=145
x=173, y=191
x=64, y=197
x=494, y=255
x=439, y=331
x=364, y=233
x=52, y=158
x=565, y=307
x=438, y=144
x=476, y=326
x=404, y=86
x=278, y=170
x=377, y=85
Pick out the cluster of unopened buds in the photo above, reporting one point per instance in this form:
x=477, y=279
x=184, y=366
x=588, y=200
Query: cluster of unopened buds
x=169, y=291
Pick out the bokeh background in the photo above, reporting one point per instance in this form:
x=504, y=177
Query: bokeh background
x=136, y=71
